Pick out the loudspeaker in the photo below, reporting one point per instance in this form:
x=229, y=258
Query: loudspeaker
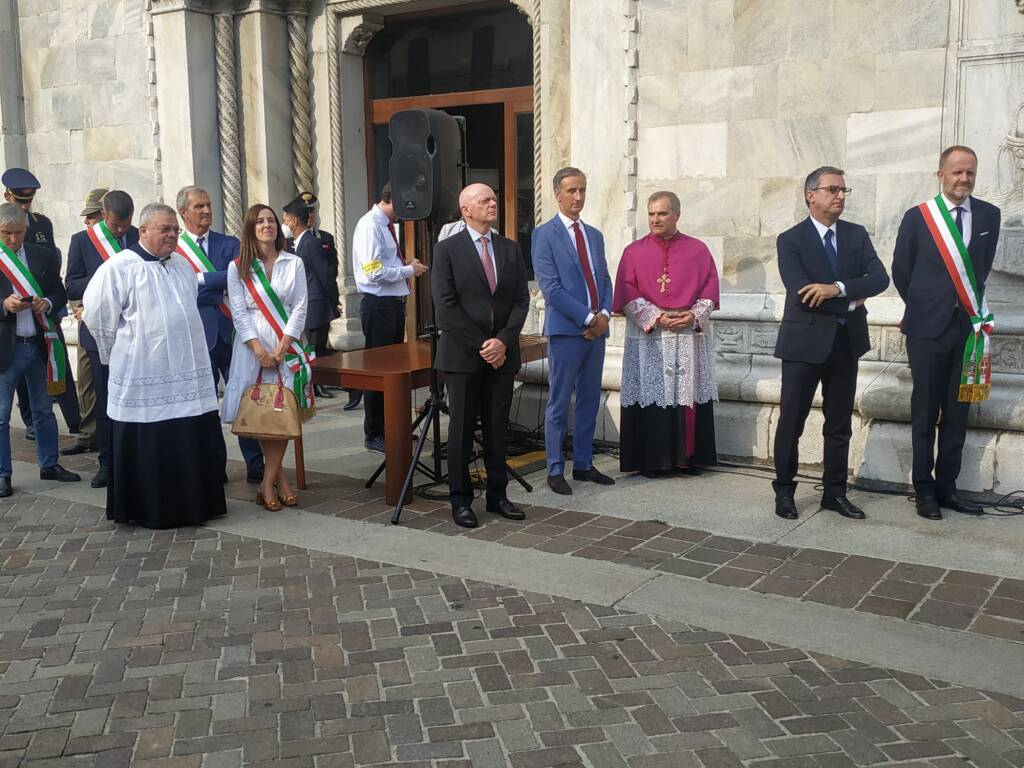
x=426, y=153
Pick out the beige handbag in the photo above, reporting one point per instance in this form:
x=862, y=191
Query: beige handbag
x=268, y=412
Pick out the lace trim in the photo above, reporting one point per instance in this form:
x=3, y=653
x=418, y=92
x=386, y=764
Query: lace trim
x=149, y=402
x=167, y=378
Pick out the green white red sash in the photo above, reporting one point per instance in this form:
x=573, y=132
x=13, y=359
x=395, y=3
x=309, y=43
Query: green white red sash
x=24, y=284
x=976, y=374
x=199, y=261
x=299, y=358
x=105, y=242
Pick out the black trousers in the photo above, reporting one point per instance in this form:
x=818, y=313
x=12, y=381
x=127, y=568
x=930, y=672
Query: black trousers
x=838, y=378
x=67, y=400
x=383, y=320
x=100, y=374
x=318, y=338
x=487, y=395
x=935, y=366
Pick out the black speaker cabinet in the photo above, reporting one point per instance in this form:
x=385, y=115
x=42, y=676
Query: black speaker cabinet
x=426, y=149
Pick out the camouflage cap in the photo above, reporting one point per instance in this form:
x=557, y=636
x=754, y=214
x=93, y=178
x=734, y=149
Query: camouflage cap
x=93, y=202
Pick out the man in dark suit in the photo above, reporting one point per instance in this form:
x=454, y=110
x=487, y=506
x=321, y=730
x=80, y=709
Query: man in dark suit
x=196, y=212
x=829, y=268
x=23, y=345
x=568, y=260
x=318, y=280
x=479, y=288
x=937, y=326
x=89, y=249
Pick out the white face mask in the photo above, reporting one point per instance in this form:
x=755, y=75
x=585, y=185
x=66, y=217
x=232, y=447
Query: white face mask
x=286, y=231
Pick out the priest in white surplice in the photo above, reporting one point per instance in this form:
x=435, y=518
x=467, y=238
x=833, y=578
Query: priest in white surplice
x=167, y=449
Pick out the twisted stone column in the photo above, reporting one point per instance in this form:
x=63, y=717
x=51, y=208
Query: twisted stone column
x=538, y=173
x=227, y=123
x=337, y=140
x=302, y=124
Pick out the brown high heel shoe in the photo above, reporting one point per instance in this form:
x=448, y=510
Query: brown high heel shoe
x=290, y=500
x=273, y=505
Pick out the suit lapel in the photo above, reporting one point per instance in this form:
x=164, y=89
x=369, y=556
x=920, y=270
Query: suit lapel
x=815, y=247
x=470, y=253
x=979, y=224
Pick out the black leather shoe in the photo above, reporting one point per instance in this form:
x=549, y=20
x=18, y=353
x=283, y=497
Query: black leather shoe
x=557, y=484
x=928, y=507
x=58, y=473
x=464, y=517
x=785, y=508
x=507, y=509
x=958, y=503
x=30, y=434
x=691, y=470
x=321, y=392
x=354, y=399
x=592, y=475
x=74, y=450
x=650, y=474
x=843, y=506
x=374, y=444
x=99, y=480
x=5, y=487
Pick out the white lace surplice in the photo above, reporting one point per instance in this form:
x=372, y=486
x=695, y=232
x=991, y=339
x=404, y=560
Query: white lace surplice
x=146, y=324
x=667, y=368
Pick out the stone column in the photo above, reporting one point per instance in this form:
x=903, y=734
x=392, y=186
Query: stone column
x=13, y=150
x=227, y=124
x=187, y=108
x=347, y=38
x=266, y=119
x=298, y=71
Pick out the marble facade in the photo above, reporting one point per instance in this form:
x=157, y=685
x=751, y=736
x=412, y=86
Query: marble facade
x=729, y=102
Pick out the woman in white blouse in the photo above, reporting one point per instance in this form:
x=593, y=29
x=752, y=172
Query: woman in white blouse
x=257, y=344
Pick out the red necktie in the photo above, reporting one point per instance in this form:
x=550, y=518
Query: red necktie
x=485, y=259
x=391, y=231
x=581, y=249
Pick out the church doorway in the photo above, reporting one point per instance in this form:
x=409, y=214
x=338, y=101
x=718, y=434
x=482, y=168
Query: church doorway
x=477, y=63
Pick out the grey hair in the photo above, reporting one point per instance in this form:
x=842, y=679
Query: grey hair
x=815, y=176
x=118, y=204
x=12, y=214
x=566, y=173
x=181, y=201
x=155, y=209
x=672, y=197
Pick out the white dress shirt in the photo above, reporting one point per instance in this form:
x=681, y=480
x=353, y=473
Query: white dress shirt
x=822, y=229
x=376, y=263
x=569, y=224
x=966, y=218
x=25, y=321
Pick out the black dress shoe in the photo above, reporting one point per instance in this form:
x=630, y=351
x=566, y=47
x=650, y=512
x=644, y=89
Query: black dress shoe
x=464, y=517
x=785, y=508
x=5, y=487
x=691, y=470
x=374, y=444
x=507, y=509
x=557, y=484
x=592, y=475
x=321, y=392
x=74, y=450
x=354, y=399
x=843, y=506
x=99, y=480
x=58, y=473
x=30, y=434
x=650, y=474
x=928, y=507
x=958, y=503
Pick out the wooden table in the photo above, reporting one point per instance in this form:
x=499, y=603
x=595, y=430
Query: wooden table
x=396, y=370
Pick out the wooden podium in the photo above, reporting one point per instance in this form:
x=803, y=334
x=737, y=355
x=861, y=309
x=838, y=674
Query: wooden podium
x=396, y=370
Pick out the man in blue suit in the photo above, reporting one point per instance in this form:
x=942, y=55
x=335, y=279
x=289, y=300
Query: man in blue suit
x=88, y=250
x=568, y=260
x=196, y=212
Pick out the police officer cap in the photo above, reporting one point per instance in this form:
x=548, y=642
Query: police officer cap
x=309, y=198
x=19, y=182
x=296, y=207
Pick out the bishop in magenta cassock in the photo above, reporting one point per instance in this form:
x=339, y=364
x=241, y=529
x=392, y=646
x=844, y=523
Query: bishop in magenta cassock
x=667, y=287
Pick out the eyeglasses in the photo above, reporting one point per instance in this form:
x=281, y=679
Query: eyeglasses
x=834, y=191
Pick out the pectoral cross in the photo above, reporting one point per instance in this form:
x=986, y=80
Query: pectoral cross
x=663, y=281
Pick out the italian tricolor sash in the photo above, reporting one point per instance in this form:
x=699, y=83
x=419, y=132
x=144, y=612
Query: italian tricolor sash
x=299, y=358
x=106, y=244
x=198, y=260
x=976, y=375
x=24, y=284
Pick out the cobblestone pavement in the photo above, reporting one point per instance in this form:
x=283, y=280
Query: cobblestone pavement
x=194, y=649
x=960, y=600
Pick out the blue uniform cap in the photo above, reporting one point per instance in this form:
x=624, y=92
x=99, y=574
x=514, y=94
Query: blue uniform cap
x=19, y=180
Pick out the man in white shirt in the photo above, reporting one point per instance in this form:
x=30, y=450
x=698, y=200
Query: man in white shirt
x=382, y=277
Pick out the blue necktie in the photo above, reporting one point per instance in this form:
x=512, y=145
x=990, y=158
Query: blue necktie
x=120, y=241
x=959, y=219
x=830, y=251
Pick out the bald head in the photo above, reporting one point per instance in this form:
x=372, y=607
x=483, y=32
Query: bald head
x=479, y=206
